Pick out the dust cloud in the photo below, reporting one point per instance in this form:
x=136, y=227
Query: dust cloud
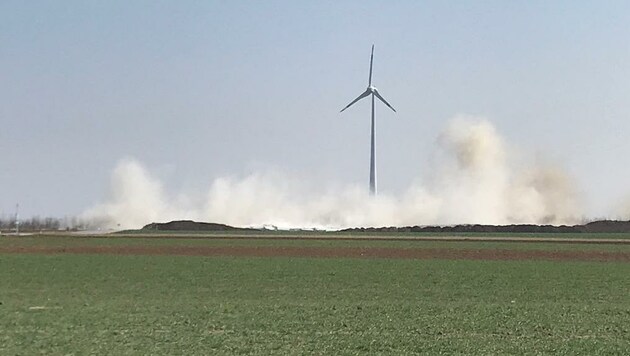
x=477, y=178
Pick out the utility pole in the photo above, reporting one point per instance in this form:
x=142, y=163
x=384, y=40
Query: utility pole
x=17, y=219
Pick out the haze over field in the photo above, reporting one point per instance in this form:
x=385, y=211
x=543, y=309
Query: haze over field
x=129, y=113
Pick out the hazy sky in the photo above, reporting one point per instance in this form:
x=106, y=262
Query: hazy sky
x=202, y=89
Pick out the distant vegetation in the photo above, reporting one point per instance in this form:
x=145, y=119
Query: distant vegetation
x=36, y=223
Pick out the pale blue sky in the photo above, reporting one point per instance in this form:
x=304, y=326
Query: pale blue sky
x=200, y=89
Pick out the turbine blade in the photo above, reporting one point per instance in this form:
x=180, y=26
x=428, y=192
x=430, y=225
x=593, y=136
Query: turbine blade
x=371, y=61
x=365, y=93
x=383, y=100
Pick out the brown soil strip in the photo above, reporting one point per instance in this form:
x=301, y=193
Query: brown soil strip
x=330, y=252
x=341, y=237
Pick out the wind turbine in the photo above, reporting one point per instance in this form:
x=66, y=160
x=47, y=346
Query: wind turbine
x=374, y=93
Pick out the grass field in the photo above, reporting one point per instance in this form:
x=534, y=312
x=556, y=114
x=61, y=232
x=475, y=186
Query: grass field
x=80, y=304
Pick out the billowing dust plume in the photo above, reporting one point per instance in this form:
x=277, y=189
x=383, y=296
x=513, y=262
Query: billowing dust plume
x=476, y=179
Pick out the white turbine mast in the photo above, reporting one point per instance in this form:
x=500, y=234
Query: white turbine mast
x=371, y=91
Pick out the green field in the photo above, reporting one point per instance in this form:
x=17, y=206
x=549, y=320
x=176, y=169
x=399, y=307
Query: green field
x=212, y=240
x=178, y=305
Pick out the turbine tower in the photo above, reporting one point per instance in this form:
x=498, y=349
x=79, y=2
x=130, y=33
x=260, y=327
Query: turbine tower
x=371, y=91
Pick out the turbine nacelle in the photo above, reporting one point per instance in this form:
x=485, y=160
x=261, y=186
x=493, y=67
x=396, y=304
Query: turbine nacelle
x=369, y=91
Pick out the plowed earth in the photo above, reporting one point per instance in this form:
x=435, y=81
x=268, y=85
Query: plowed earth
x=331, y=252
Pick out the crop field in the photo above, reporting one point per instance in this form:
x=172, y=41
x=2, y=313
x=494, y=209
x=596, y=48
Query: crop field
x=179, y=295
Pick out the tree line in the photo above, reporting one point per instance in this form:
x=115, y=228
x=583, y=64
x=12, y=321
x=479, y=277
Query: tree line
x=37, y=223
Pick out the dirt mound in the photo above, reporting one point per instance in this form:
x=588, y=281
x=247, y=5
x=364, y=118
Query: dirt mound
x=607, y=226
x=189, y=225
x=604, y=226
